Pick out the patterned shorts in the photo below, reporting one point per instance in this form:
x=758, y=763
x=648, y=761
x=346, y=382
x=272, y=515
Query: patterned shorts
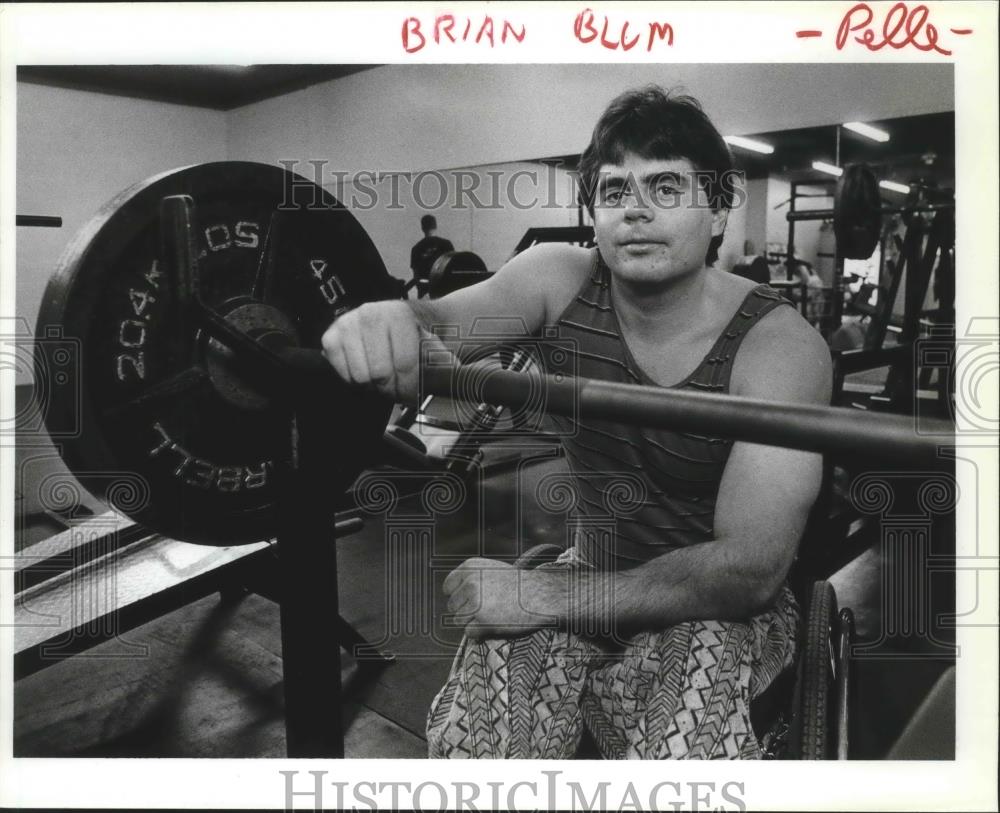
x=682, y=693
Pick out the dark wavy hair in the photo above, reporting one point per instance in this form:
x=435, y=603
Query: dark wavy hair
x=654, y=123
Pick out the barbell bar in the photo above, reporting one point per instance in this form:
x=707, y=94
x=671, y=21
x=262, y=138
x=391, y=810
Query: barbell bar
x=891, y=440
x=830, y=214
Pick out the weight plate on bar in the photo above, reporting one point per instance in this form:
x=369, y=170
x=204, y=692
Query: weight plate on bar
x=857, y=219
x=187, y=446
x=453, y=271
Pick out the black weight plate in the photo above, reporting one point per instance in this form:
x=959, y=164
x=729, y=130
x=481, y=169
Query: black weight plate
x=453, y=271
x=857, y=220
x=199, y=464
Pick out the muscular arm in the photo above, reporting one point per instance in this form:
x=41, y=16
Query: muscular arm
x=516, y=299
x=764, y=500
x=378, y=344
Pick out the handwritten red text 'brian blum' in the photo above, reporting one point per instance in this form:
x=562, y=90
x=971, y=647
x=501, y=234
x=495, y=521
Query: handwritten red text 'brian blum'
x=901, y=27
x=488, y=32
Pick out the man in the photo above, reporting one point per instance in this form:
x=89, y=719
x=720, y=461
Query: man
x=688, y=583
x=426, y=251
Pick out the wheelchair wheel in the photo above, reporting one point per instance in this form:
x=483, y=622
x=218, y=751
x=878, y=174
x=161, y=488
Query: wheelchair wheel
x=818, y=687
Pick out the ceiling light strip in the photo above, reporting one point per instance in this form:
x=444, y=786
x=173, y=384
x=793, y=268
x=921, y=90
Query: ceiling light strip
x=874, y=133
x=749, y=144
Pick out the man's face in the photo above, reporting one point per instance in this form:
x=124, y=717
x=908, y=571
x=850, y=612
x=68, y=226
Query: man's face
x=652, y=219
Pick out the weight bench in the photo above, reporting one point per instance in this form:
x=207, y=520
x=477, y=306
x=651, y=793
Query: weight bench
x=140, y=575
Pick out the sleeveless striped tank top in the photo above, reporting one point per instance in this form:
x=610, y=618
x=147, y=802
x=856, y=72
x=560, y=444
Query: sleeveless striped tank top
x=640, y=492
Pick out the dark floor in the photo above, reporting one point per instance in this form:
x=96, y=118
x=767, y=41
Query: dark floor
x=210, y=685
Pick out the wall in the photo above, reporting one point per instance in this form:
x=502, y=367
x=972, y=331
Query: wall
x=77, y=150
x=756, y=213
x=413, y=117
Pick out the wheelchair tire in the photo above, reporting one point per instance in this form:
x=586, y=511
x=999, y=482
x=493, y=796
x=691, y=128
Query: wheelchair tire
x=818, y=678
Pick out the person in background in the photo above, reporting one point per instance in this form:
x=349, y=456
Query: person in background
x=426, y=251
